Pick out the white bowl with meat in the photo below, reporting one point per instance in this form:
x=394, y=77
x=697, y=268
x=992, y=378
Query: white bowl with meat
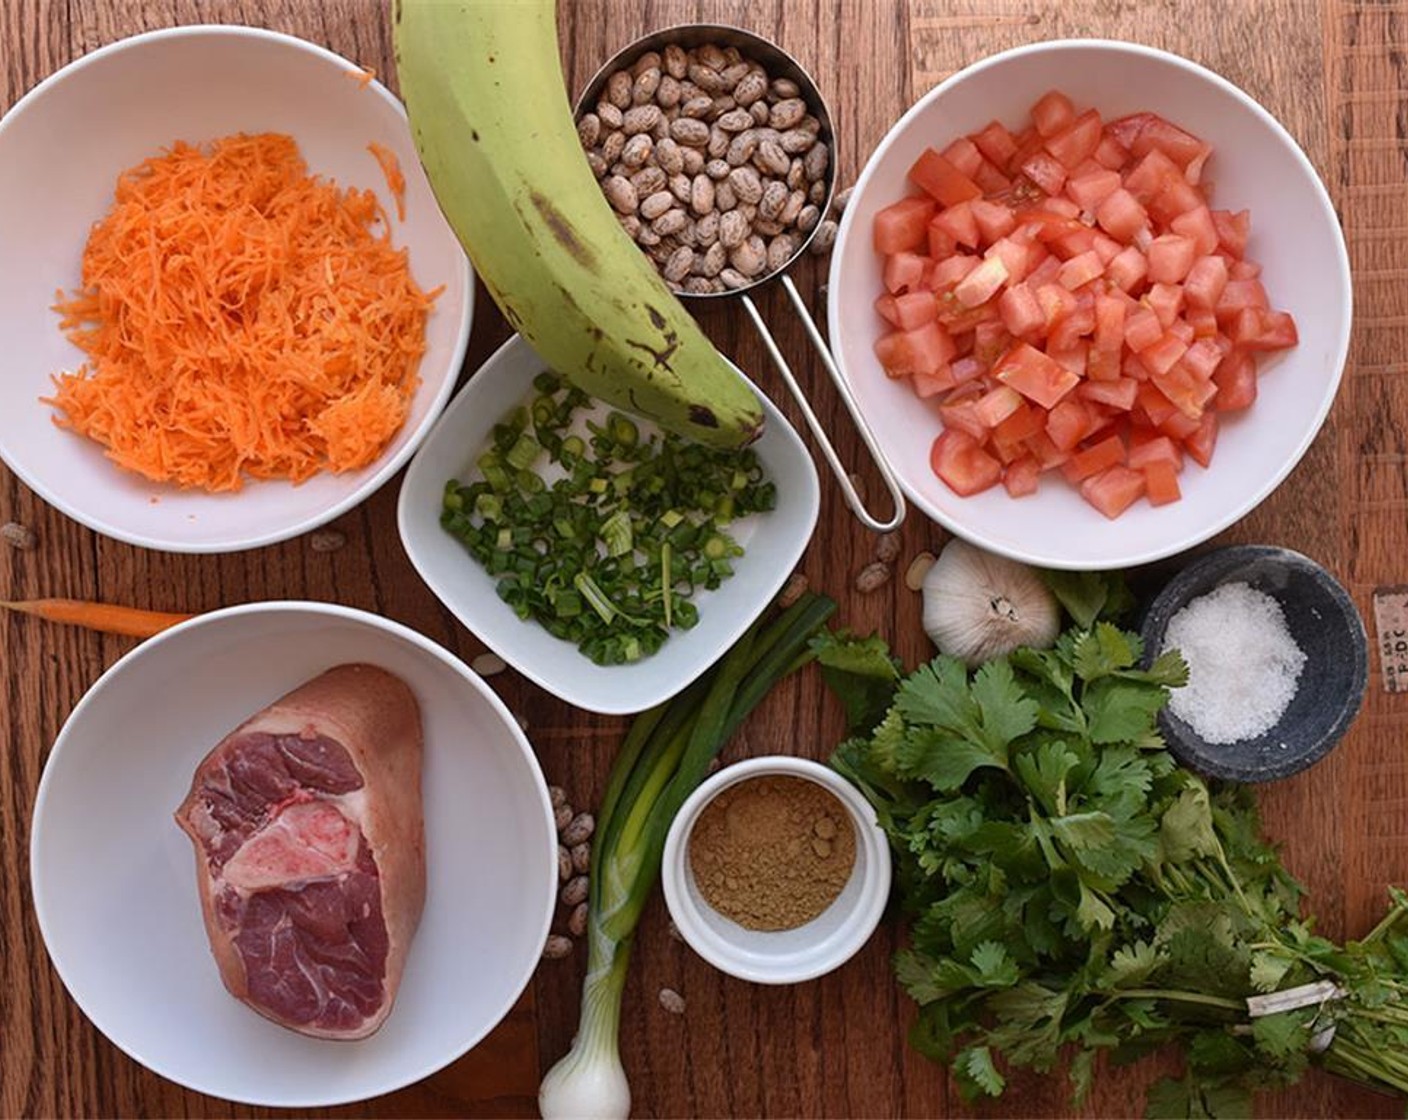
x=293, y=855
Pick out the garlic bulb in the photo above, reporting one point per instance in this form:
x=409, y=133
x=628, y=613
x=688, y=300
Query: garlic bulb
x=978, y=606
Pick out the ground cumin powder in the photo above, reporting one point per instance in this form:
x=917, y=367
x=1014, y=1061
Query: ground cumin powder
x=772, y=853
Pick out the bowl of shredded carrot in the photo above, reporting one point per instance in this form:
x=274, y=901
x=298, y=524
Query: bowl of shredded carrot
x=231, y=306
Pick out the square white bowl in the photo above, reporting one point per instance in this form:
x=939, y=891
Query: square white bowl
x=61, y=150
x=773, y=543
x=1295, y=235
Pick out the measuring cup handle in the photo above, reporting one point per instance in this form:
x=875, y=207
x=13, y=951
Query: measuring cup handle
x=843, y=477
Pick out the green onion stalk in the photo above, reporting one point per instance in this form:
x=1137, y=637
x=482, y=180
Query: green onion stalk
x=664, y=757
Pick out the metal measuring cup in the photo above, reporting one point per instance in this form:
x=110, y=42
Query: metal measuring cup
x=779, y=64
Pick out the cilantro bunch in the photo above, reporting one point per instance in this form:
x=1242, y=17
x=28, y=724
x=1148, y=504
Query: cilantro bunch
x=1072, y=890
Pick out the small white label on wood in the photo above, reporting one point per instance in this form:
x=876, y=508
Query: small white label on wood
x=1391, y=633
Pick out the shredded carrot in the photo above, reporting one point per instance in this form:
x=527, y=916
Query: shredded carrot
x=241, y=318
x=109, y=618
x=395, y=178
x=363, y=75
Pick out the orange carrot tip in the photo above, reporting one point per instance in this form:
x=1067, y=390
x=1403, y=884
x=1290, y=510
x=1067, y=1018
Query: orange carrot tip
x=109, y=618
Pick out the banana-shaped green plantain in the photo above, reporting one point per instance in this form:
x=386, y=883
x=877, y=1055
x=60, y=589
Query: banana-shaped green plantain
x=488, y=108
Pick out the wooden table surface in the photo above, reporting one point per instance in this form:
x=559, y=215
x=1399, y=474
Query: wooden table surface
x=1332, y=72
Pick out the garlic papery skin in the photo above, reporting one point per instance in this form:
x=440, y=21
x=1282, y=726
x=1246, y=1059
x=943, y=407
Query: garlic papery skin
x=978, y=606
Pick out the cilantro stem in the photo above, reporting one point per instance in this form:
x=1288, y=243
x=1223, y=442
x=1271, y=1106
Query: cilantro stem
x=1181, y=997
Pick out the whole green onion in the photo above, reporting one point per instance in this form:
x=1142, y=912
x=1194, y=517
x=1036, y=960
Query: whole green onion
x=662, y=759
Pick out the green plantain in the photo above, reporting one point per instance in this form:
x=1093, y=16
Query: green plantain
x=488, y=108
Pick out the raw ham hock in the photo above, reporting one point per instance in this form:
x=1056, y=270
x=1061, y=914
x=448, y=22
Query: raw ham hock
x=310, y=851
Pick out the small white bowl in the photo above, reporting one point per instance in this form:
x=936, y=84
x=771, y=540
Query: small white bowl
x=115, y=886
x=61, y=150
x=784, y=956
x=1256, y=164
x=773, y=541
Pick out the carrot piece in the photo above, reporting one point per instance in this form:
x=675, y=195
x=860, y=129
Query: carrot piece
x=395, y=178
x=109, y=618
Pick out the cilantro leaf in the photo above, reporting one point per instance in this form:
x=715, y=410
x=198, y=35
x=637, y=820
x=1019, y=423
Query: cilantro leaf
x=993, y=966
x=1087, y=596
x=1006, y=713
x=936, y=695
x=975, y=1073
x=1043, y=770
x=1186, y=830
x=861, y=672
x=1103, y=650
x=1120, y=710
x=943, y=760
x=1269, y=969
x=1131, y=965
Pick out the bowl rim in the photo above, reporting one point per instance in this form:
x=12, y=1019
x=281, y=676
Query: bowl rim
x=560, y=685
x=1345, y=312
x=1187, y=584
x=110, y=677
x=866, y=913
x=385, y=467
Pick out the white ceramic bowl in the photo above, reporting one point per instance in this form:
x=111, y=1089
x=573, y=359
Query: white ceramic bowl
x=773, y=542
x=786, y=956
x=61, y=149
x=1295, y=235
x=115, y=886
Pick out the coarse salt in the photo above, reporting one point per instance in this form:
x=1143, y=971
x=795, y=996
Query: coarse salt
x=1243, y=663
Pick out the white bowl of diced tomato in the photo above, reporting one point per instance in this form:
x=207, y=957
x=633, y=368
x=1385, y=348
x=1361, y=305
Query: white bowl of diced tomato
x=1094, y=300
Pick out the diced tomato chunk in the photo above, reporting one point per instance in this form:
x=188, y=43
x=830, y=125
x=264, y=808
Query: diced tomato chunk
x=1022, y=476
x=1177, y=198
x=1164, y=354
x=1233, y=230
x=1068, y=423
x=1159, y=135
x=1114, y=490
x=1021, y=313
x=914, y=309
x=995, y=142
x=1045, y=171
x=1256, y=328
x=964, y=155
x=1154, y=172
x=1236, y=382
x=1052, y=113
x=1103, y=455
x=902, y=225
x=928, y=385
x=996, y=405
x=991, y=179
x=1243, y=270
x=903, y=271
x=1120, y=393
x=1166, y=301
x=1198, y=225
x=888, y=309
x=924, y=350
x=1081, y=270
x=1128, y=269
x=936, y=176
x=1157, y=407
x=1111, y=153
x=1090, y=190
x=1142, y=329
x=1170, y=258
x=1205, y=282
x=1125, y=130
x=1200, y=444
x=1035, y=375
x=1155, y=450
x=980, y=285
x=1121, y=215
x=950, y=271
x=1015, y=257
x=1202, y=358
x=994, y=220
x=1161, y=483
x=958, y=222
x=1077, y=141
x=1189, y=394
x=959, y=460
